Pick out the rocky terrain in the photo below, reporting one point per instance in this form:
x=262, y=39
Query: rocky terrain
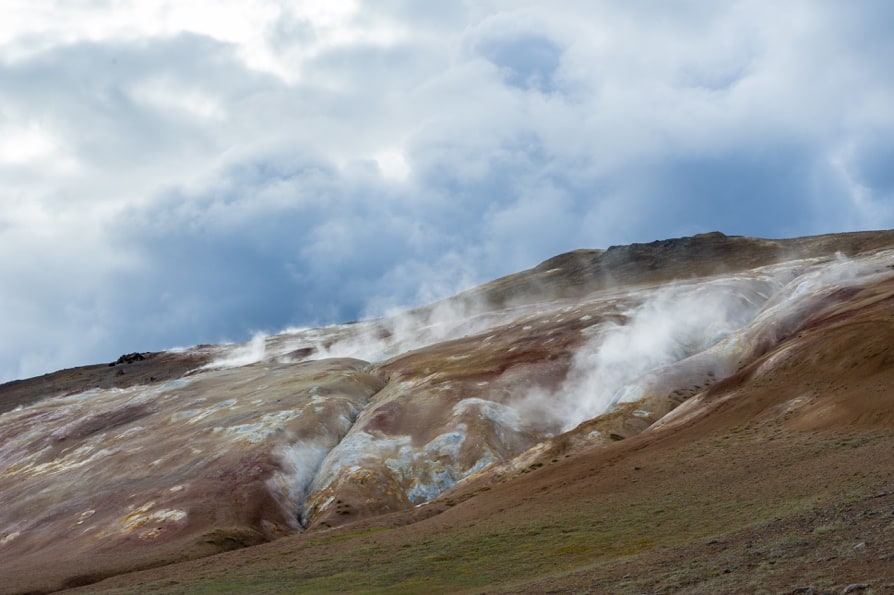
x=705, y=414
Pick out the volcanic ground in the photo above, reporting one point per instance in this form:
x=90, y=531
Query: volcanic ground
x=701, y=415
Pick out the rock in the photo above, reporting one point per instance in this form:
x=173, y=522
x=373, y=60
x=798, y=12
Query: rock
x=854, y=587
x=128, y=358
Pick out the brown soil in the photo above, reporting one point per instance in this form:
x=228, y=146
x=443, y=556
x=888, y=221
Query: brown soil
x=779, y=479
x=578, y=273
x=154, y=367
x=758, y=509
x=754, y=491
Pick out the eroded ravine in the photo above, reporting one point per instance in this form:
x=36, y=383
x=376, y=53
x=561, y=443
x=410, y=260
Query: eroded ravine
x=491, y=397
x=183, y=462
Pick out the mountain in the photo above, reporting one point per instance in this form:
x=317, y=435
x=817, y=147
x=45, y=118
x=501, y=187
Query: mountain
x=703, y=414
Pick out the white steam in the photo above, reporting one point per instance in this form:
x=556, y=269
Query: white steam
x=243, y=354
x=713, y=325
x=378, y=340
x=672, y=325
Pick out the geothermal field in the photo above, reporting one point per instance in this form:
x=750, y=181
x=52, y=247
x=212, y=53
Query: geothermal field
x=701, y=415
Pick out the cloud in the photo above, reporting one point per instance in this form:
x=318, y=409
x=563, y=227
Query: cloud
x=527, y=62
x=181, y=173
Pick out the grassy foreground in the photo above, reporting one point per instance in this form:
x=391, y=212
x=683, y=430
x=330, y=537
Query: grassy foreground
x=736, y=511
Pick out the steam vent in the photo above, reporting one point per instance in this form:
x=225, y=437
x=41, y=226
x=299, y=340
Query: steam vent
x=703, y=414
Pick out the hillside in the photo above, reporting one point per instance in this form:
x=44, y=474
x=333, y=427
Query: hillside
x=705, y=414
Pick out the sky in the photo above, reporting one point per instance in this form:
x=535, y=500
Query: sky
x=196, y=171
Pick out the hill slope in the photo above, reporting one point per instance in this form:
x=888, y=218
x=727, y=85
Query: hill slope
x=708, y=413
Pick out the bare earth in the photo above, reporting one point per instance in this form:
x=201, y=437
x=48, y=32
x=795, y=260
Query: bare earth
x=776, y=479
x=757, y=509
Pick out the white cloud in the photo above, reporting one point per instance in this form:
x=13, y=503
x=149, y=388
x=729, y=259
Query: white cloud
x=22, y=144
x=261, y=163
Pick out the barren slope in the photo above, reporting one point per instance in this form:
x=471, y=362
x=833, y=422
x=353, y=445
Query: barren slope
x=777, y=479
x=527, y=434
